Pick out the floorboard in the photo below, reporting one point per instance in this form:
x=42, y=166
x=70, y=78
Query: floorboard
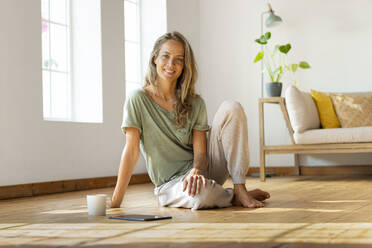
x=307, y=211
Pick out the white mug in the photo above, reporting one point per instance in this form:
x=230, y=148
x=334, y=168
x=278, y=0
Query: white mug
x=96, y=204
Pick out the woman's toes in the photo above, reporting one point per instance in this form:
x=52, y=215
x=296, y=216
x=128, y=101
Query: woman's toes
x=259, y=205
x=260, y=194
x=256, y=205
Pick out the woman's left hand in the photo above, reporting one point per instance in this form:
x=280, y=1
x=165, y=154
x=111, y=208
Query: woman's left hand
x=194, y=182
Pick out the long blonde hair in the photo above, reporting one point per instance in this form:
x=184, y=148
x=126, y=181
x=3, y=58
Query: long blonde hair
x=185, y=87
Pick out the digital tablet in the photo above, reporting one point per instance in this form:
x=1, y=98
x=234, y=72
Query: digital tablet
x=140, y=217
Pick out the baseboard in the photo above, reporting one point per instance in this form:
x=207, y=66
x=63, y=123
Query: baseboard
x=34, y=189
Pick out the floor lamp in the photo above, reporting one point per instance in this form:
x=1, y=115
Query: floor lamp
x=271, y=21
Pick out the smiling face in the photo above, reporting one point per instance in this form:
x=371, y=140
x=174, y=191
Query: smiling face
x=170, y=61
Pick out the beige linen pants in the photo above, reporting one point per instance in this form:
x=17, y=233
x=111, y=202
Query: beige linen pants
x=228, y=154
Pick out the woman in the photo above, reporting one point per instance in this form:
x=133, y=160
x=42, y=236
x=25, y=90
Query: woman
x=167, y=120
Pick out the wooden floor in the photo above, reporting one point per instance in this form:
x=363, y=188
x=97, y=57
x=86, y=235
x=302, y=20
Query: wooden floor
x=303, y=212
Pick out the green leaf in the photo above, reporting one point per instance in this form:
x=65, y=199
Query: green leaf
x=46, y=63
x=294, y=67
x=263, y=38
x=261, y=41
x=267, y=36
x=285, y=48
x=304, y=65
x=259, y=56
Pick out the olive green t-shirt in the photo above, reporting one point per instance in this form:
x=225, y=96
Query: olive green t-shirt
x=167, y=149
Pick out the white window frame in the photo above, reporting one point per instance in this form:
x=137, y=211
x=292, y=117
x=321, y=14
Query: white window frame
x=138, y=43
x=68, y=72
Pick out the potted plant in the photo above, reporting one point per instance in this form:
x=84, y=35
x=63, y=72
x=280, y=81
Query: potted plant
x=276, y=64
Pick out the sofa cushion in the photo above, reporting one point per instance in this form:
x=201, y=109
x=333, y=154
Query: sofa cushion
x=327, y=114
x=301, y=109
x=353, y=110
x=334, y=135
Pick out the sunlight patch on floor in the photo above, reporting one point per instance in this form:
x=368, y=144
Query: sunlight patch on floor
x=343, y=201
x=276, y=210
x=66, y=211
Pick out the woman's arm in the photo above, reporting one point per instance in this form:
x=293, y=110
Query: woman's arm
x=128, y=160
x=195, y=180
x=199, y=142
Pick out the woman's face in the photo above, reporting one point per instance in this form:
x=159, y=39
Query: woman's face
x=170, y=61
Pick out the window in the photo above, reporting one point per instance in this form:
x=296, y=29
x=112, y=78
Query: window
x=133, y=71
x=71, y=60
x=56, y=59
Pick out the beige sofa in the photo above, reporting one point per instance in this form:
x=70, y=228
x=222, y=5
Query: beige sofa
x=302, y=119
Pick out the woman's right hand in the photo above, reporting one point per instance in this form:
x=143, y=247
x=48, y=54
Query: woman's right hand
x=112, y=205
x=116, y=199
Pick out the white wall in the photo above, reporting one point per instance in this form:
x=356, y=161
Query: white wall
x=183, y=16
x=33, y=150
x=333, y=36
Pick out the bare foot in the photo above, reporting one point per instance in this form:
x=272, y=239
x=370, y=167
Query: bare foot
x=259, y=195
x=244, y=198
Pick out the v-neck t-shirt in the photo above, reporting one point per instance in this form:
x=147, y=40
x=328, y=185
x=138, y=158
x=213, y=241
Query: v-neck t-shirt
x=167, y=148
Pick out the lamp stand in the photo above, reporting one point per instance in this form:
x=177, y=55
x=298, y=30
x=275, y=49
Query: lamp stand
x=262, y=66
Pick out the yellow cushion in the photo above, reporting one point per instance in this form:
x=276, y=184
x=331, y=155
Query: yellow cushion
x=353, y=110
x=327, y=114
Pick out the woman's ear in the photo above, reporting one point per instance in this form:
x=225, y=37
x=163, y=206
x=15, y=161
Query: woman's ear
x=154, y=60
